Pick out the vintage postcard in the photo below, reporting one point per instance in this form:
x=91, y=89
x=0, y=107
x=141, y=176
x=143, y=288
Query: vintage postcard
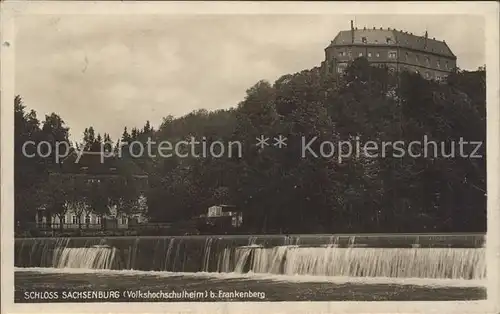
x=250, y=157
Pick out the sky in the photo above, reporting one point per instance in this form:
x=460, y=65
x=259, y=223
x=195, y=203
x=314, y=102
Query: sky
x=111, y=71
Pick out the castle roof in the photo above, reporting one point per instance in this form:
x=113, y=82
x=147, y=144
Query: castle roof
x=392, y=37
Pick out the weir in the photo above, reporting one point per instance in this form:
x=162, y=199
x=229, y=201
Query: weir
x=396, y=256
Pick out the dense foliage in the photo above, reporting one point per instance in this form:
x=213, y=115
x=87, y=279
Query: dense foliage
x=279, y=189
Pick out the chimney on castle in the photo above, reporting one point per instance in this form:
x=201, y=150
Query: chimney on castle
x=352, y=31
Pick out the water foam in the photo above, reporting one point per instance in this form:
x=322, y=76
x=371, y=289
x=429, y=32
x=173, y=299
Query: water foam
x=261, y=277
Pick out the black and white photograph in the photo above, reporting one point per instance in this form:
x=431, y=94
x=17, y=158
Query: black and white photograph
x=241, y=157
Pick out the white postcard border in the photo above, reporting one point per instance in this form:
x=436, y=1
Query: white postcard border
x=490, y=12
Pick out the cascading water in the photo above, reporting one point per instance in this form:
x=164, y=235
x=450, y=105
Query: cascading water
x=269, y=260
x=366, y=262
x=329, y=255
x=168, y=255
x=92, y=258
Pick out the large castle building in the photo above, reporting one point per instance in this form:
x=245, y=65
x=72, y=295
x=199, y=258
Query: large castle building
x=398, y=50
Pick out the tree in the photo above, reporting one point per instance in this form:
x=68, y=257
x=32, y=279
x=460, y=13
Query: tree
x=55, y=132
x=98, y=200
x=30, y=170
x=55, y=198
x=78, y=198
x=91, y=142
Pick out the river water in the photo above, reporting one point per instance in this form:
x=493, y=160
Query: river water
x=253, y=268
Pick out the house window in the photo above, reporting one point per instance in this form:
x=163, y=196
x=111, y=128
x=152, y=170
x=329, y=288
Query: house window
x=406, y=56
x=98, y=220
x=74, y=219
x=388, y=40
x=341, y=53
x=438, y=64
x=369, y=55
x=446, y=65
x=427, y=75
x=87, y=219
x=427, y=61
x=360, y=54
x=416, y=59
x=392, y=55
x=124, y=220
x=340, y=69
x=378, y=55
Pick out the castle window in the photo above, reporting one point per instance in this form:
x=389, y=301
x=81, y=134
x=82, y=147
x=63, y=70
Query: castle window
x=87, y=219
x=427, y=61
x=438, y=64
x=378, y=55
x=427, y=75
x=388, y=40
x=74, y=219
x=363, y=39
x=446, y=65
x=341, y=53
x=416, y=59
x=406, y=56
x=392, y=55
x=369, y=55
x=360, y=54
x=331, y=68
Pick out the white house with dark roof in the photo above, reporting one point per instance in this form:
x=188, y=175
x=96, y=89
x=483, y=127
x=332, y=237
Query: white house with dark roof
x=218, y=211
x=95, y=167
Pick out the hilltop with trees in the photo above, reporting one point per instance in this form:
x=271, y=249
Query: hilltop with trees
x=277, y=189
